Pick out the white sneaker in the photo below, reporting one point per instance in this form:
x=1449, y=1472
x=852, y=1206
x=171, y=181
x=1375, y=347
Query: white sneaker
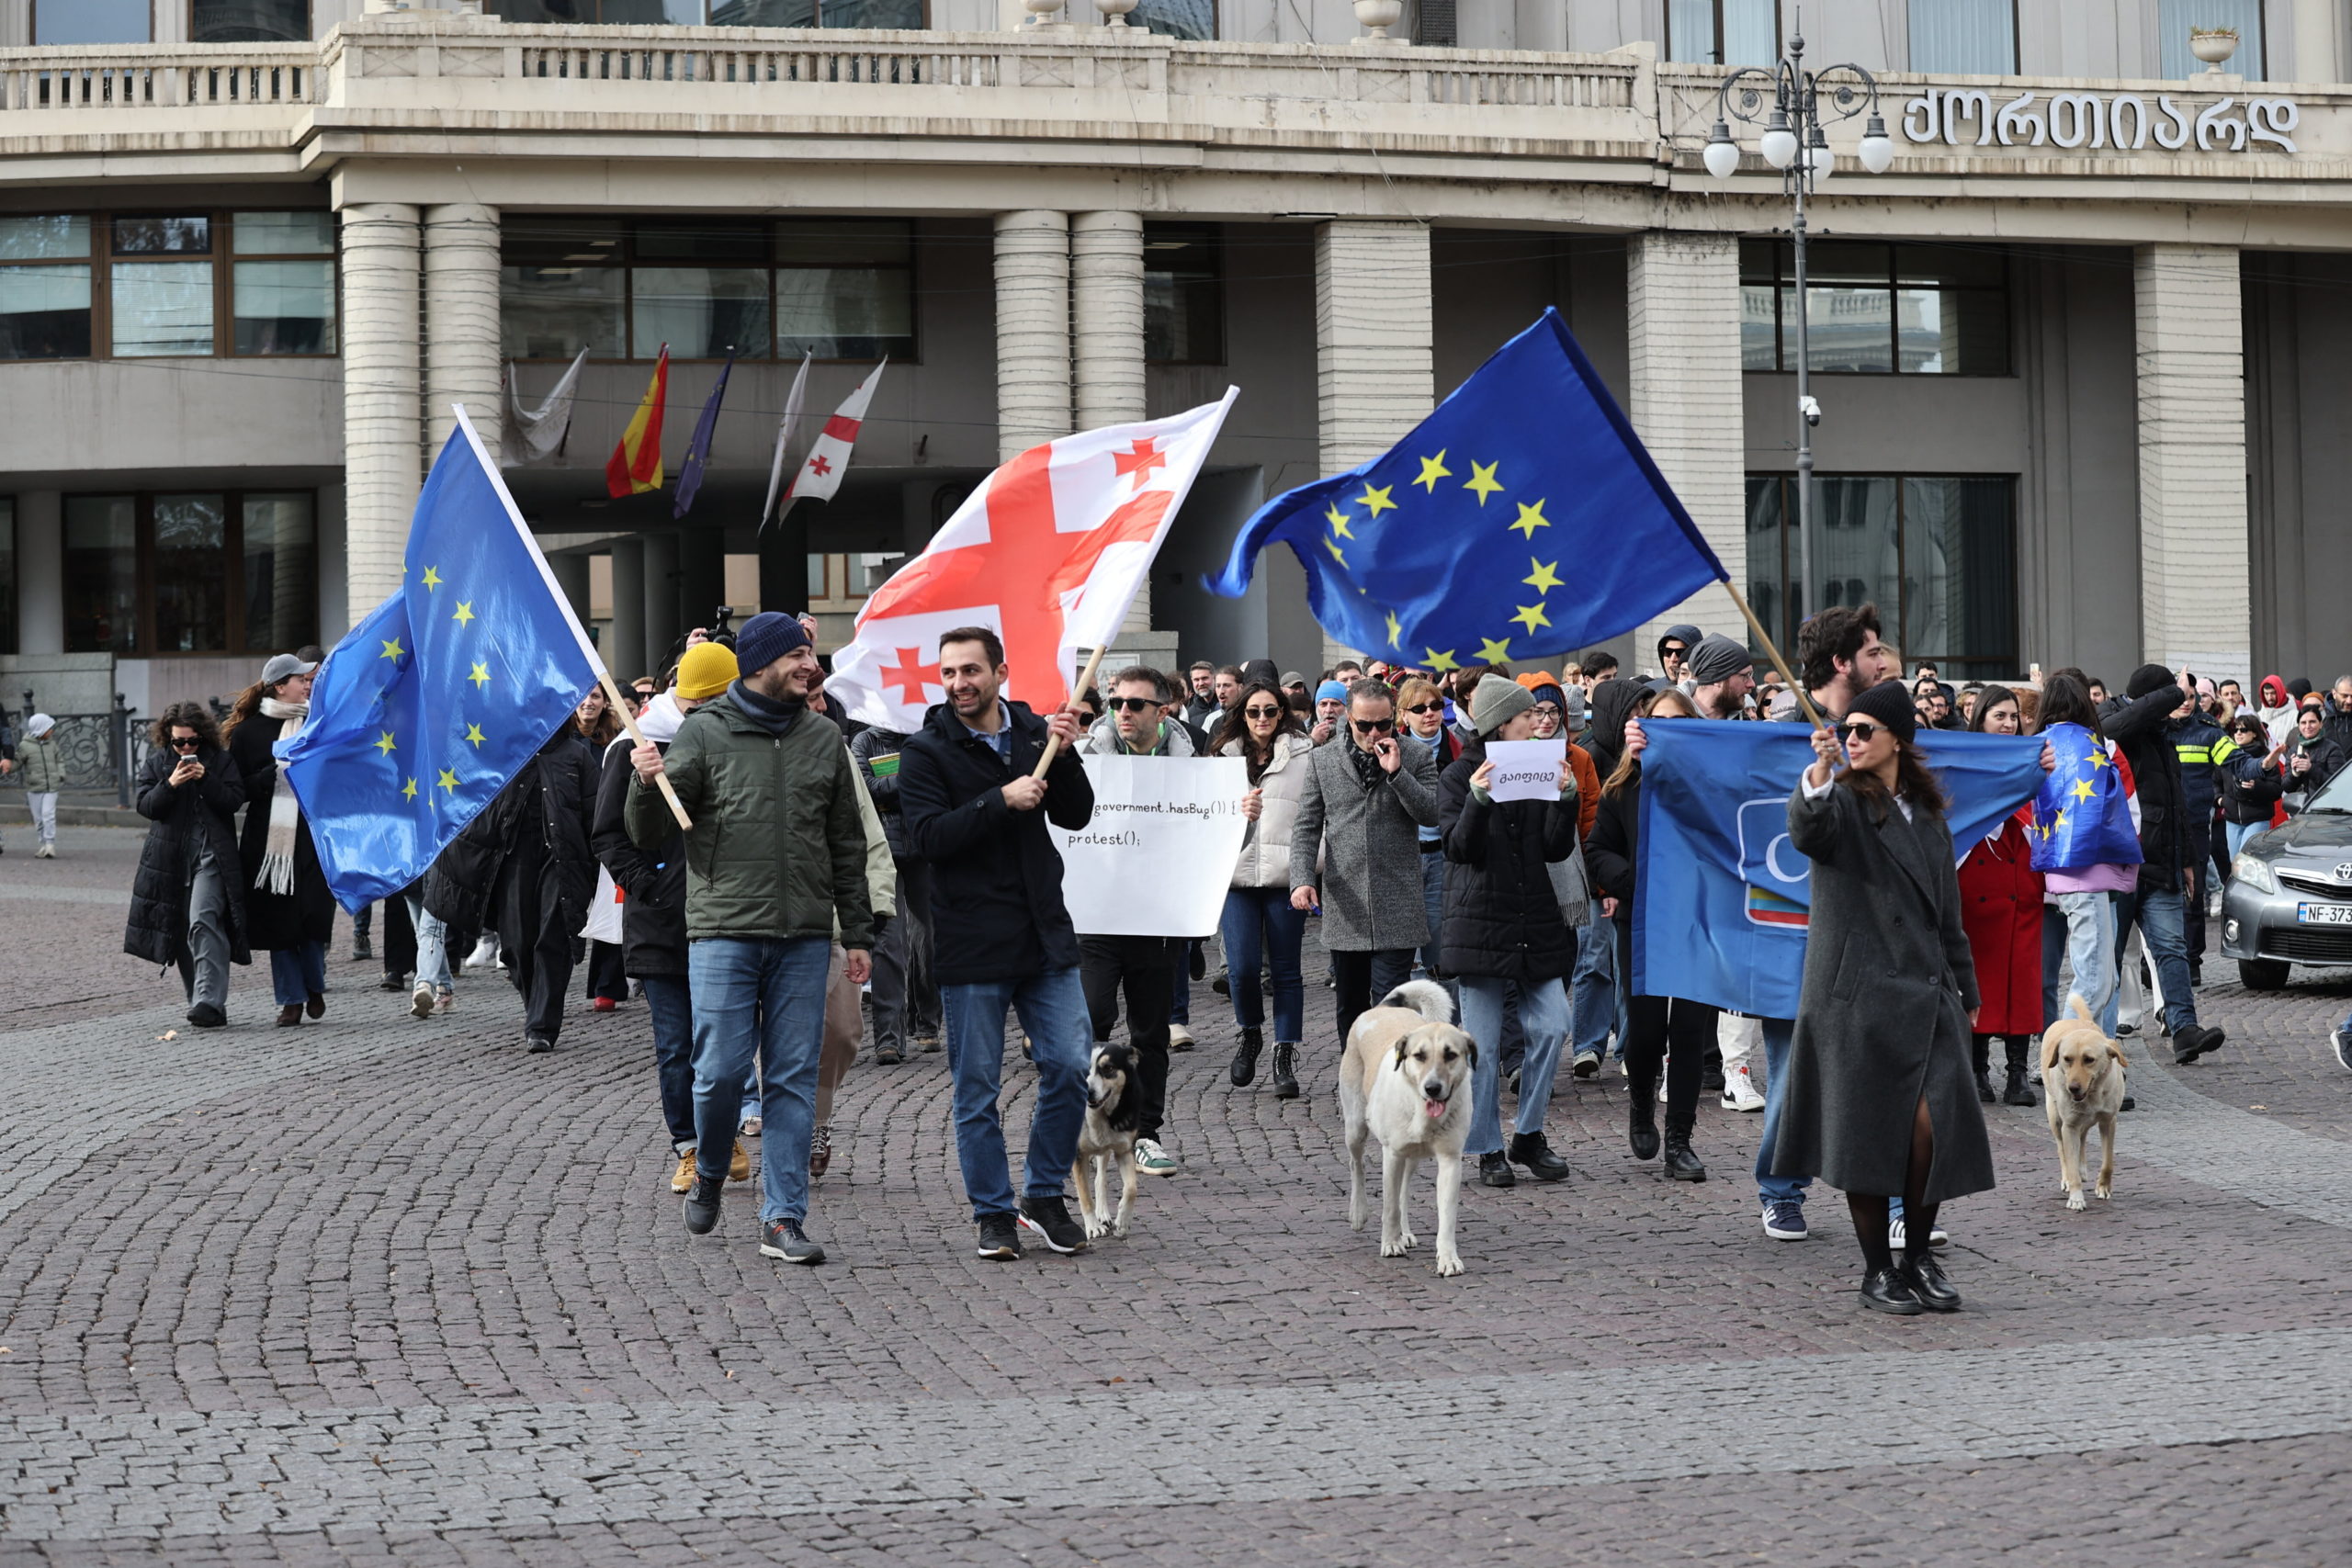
x=421, y=1000
x=1153, y=1160
x=485, y=952
x=46, y=852
x=1936, y=1237
x=1179, y=1037
x=749, y=1127
x=1739, y=1091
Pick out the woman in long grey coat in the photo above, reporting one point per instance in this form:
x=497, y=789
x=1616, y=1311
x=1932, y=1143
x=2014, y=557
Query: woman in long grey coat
x=1879, y=1101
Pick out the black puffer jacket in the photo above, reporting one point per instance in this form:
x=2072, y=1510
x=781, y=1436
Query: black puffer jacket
x=1502, y=914
x=159, y=891
x=997, y=888
x=274, y=920
x=872, y=743
x=2143, y=729
x=1615, y=848
x=547, y=808
x=653, y=911
x=1612, y=705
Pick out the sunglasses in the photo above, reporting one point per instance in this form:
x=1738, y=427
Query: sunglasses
x=1426, y=707
x=1856, y=730
x=188, y=743
x=1261, y=713
x=1134, y=704
x=1372, y=726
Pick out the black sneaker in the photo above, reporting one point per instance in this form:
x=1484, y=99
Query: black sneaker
x=702, y=1205
x=999, y=1238
x=1493, y=1170
x=785, y=1239
x=1048, y=1219
x=204, y=1015
x=538, y=1044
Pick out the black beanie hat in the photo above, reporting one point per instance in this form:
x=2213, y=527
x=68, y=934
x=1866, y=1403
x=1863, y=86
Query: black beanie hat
x=1889, y=702
x=2145, y=679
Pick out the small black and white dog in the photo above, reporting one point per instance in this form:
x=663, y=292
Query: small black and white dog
x=1114, y=1107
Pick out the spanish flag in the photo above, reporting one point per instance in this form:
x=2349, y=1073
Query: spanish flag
x=635, y=465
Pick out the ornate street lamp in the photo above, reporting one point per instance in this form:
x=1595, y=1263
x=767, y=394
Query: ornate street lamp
x=1793, y=105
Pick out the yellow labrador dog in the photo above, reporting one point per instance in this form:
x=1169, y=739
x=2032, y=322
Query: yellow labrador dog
x=1406, y=1080
x=2082, y=1084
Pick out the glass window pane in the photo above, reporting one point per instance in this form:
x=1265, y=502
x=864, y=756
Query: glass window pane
x=1960, y=331
x=1756, y=259
x=1846, y=261
x=623, y=13
x=763, y=13
x=705, y=242
x=282, y=233
x=2175, y=17
x=1850, y=329
x=1751, y=32
x=702, y=312
x=249, y=21
x=44, y=312
x=101, y=574
x=1755, y=327
x=1766, y=573
x=560, y=242
x=1176, y=19
x=844, y=313
x=1184, y=295
x=825, y=241
x=1964, y=37
x=162, y=308
x=1960, y=573
x=7, y=574
x=40, y=239
x=280, y=572
x=553, y=312
x=1919, y=332
x=162, y=236
x=1854, y=544
x=1690, y=31
x=284, y=307
x=904, y=15
x=191, y=574
x=93, y=21
x=1951, y=265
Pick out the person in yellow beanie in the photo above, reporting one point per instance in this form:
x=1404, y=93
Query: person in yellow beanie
x=703, y=674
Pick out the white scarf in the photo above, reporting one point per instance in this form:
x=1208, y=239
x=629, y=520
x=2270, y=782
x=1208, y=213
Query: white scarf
x=276, y=873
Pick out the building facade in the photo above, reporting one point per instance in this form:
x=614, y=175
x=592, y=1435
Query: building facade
x=2073, y=349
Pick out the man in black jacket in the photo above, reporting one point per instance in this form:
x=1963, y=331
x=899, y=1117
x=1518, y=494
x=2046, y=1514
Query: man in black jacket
x=2199, y=744
x=906, y=997
x=2167, y=872
x=971, y=807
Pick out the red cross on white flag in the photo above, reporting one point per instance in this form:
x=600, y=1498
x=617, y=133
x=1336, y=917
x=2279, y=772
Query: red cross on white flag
x=1049, y=551
x=820, y=472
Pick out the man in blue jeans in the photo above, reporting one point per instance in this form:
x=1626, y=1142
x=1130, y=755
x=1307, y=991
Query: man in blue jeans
x=1002, y=940
x=777, y=853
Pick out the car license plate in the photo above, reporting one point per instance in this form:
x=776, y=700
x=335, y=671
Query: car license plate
x=2324, y=914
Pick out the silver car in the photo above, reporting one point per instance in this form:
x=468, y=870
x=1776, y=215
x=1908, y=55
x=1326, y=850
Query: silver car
x=2290, y=897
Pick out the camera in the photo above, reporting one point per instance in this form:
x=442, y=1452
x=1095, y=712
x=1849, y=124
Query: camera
x=1810, y=407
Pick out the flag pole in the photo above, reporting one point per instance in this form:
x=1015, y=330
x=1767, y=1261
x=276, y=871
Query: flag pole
x=1804, y=699
x=1053, y=742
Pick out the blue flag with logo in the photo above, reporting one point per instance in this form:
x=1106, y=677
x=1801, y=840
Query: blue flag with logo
x=2082, y=817
x=1723, y=895
x=421, y=716
x=1521, y=518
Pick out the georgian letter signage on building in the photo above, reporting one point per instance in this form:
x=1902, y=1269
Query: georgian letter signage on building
x=2122, y=121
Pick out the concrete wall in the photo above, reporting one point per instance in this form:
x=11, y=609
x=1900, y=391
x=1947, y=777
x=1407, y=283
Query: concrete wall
x=2299, y=333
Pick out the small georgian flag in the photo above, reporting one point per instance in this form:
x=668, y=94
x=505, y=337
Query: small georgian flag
x=820, y=472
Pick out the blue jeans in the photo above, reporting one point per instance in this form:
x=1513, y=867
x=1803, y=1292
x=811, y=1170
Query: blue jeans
x=1052, y=1008
x=2239, y=832
x=432, y=945
x=1259, y=923
x=1433, y=902
x=2053, y=953
x=299, y=972
x=2090, y=949
x=1543, y=1013
x=1592, y=1004
x=2163, y=925
x=670, y=1002
x=759, y=998
x=1772, y=1189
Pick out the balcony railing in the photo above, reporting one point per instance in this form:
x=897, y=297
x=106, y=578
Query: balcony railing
x=136, y=76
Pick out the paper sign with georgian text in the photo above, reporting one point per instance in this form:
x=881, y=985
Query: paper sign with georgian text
x=1526, y=769
x=1156, y=858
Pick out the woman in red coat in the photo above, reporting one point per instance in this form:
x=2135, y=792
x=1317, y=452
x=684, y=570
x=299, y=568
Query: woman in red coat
x=2000, y=907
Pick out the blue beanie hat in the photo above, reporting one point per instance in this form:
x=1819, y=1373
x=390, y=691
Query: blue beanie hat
x=1331, y=692
x=766, y=637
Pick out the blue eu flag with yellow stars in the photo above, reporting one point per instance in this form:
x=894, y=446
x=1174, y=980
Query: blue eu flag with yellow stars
x=2083, y=816
x=1521, y=518
x=421, y=714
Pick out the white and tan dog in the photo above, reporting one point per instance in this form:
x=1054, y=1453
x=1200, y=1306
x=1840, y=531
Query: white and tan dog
x=2081, y=1086
x=1406, y=1080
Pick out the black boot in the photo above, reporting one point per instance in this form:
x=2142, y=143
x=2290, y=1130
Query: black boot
x=1493, y=1170
x=2021, y=1087
x=1532, y=1151
x=1641, y=1117
x=1980, y=1055
x=1285, y=1070
x=1244, y=1070
x=1682, y=1164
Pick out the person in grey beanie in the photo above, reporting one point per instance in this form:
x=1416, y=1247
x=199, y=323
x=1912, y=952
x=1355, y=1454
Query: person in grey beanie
x=1721, y=675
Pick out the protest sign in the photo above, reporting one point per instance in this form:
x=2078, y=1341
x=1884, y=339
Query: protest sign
x=1158, y=856
x=1526, y=769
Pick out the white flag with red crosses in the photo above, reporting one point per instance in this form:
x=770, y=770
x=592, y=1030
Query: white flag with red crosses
x=820, y=472
x=1048, y=553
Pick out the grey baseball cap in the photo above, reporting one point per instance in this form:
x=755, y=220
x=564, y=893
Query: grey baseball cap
x=283, y=665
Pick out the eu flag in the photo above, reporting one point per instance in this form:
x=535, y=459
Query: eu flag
x=1724, y=896
x=2083, y=816
x=439, y=696
x=1523, y=518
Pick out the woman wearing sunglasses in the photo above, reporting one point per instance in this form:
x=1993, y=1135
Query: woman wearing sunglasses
x=1258, y=924
x=187, y=904
x=1421, y=707
x=1879, y=1100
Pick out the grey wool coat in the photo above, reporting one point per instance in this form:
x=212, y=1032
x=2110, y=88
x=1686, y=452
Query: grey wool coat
x=1369, y=843
x=1883, y=1019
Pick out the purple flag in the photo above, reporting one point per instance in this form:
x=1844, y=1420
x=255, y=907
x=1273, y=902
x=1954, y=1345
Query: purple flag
x=698, y=449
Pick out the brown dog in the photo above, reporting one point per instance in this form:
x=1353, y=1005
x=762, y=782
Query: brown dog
x=2082, y=1082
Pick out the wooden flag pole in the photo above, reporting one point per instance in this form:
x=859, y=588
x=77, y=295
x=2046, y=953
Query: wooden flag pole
x=1804, y=700
x=1053, y=742
x=628, y=722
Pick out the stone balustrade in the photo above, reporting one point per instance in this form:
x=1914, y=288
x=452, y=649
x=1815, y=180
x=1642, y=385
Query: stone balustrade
x=152, y=76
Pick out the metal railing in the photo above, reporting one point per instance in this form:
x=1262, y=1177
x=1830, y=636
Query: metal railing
x=100, y=750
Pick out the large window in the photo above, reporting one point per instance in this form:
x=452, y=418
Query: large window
x=1183, y=294
x=1876, y=308
x=194, y=572
x=1964, y=37
x=836, y=288
x=2175, y=17
x=7, y=574
x=908, y=14
x=1936, y=555
x=249, y=21
x=93, y=21
x=147, y=285
x=1724, y=32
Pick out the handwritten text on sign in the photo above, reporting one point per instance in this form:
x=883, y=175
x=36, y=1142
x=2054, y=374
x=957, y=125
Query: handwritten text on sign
x=1157, y=857
x=1526, y=769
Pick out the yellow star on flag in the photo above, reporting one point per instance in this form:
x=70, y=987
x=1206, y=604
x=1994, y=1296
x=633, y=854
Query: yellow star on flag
x=1494, y=650
x=1531, y=617
x=2097, y=759
x=480, y=677
x=1545, y=578
x=1482, y=479
x=408, y=790
x=465, y=614
x=384, y=746
x=1531, y=518
x=1333, y=546
x=392, y=649
x=1438, y=661
x=2062, y=819
x=1375, y=499
x=2082, y=790
x=1393, y=630
x=1432, y=470
x=1338, y=521
x=432, y=577
x=449, y=780
x=473, y=733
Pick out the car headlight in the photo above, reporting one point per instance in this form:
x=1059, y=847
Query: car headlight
x=2254, y=874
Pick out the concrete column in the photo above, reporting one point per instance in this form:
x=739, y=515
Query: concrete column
x=2194, y=573
x=571, y=570
x=626, y=657
x=380, y=388
x=702, y=575
x=1682, y=335
x=40, y=572
x=660, y=598
x=1032, y=330
x=2317, y=45
x=461, y=331
x=1106, y=335
x=1373, y=330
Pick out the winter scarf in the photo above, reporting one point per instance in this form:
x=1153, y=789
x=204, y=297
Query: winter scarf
x=277, y=873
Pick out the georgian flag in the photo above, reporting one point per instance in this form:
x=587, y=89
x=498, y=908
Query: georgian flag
x=820, y=472
x=1048, y=552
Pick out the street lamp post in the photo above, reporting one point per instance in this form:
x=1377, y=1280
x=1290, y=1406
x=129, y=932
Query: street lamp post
x=1793, y=105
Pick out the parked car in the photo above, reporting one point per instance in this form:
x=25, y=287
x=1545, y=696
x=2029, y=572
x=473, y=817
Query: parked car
x=2290, y=897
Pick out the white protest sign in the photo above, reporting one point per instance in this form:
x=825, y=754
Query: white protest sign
x=1158, y=856
x=1526, y=769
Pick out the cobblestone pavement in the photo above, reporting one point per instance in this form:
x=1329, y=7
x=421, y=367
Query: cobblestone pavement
x=382, y=1290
